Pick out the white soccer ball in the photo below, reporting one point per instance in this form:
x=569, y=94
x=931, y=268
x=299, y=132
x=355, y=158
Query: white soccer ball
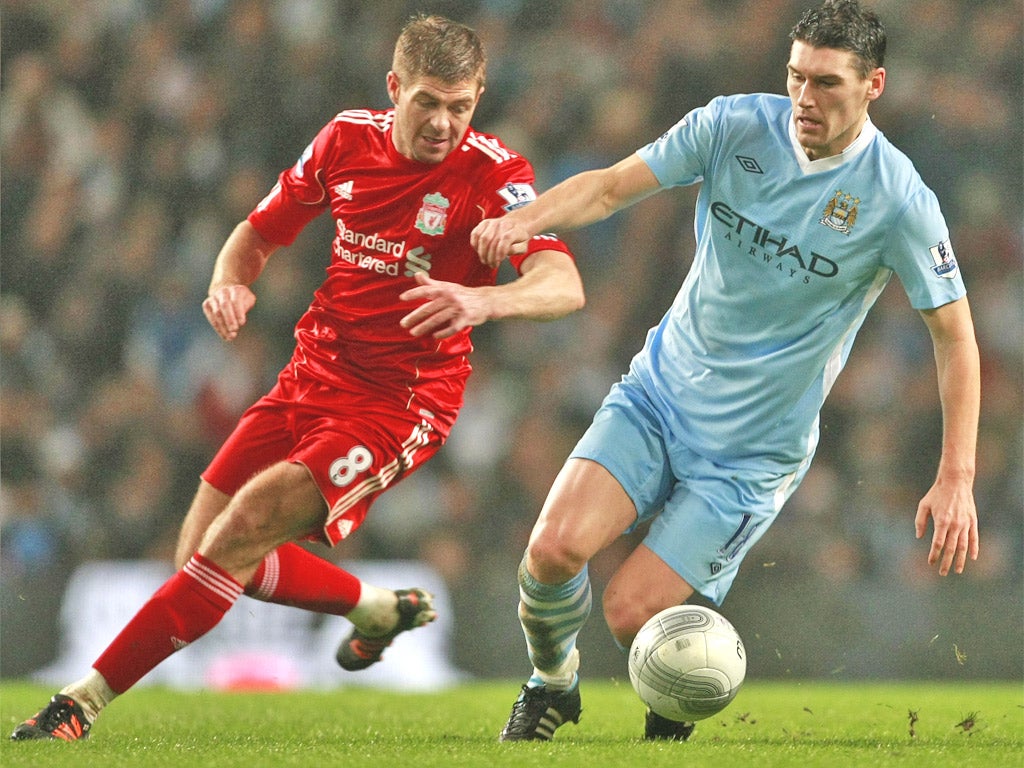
x=687, y=663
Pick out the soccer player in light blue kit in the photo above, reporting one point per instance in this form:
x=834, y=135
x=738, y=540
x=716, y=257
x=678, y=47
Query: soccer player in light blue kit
x=805, y=212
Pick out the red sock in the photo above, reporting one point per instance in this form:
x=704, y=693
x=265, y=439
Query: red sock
x=185, y=608
x=290, y=575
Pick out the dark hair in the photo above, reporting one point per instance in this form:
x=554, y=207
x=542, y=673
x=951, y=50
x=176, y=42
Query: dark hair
x=434, y=46
x=845, y=26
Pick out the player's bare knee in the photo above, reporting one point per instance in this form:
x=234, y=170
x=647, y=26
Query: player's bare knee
x=624, y=616
x=553, y=561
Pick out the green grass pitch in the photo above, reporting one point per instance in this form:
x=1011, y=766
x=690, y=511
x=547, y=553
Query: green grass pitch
x=769, y=724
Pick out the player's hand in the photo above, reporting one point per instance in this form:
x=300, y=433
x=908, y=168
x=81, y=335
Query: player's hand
x=226, y=309
x=447, y=308
x=497, y=239
x=954, y=517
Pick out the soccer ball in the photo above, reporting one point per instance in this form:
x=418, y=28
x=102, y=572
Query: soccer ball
x=687, y=663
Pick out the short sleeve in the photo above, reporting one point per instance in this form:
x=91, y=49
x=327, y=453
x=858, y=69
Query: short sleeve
x=681, y=155
x=922, y=255
x=298, y=197
x=509, y=187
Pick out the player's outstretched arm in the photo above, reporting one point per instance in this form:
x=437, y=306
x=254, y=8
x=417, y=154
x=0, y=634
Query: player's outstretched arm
x=548, y=288
x=240, y=261
x=950, y=500
x=580, y=200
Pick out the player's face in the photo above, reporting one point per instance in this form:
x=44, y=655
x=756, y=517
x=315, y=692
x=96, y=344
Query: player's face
x=431, y=116
x=830, y=98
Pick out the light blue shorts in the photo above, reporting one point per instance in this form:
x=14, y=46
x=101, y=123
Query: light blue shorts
x=705, y=517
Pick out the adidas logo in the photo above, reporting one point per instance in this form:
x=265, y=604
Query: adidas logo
x=178, y=643
x=344, y=190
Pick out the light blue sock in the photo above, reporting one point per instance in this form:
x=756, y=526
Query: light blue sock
x=552, y=616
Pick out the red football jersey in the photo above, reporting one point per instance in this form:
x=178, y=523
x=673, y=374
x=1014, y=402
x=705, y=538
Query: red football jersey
x=393, y=217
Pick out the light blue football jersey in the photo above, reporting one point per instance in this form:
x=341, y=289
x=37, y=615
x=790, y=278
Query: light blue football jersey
x=791, y=254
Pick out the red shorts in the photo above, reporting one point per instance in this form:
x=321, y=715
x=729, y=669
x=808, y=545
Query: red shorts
x=354, y=443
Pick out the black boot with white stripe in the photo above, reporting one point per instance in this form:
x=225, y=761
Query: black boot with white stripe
x=538, y=712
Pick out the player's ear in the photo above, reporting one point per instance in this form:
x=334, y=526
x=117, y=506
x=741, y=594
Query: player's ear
x=393, y=86
x=876, y=83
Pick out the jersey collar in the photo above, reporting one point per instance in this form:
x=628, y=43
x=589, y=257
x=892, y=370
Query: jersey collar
x=867, y=134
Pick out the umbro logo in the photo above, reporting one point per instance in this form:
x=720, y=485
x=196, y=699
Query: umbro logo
x=344, y=190
x=749, y=164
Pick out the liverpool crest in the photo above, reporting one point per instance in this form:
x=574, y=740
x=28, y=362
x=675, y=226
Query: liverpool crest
x=841, y=212
x=433, y=214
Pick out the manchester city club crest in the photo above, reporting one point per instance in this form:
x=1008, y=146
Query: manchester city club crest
x=433, y=214
x=841, y=212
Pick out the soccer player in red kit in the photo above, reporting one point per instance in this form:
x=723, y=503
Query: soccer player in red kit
x=377, y=377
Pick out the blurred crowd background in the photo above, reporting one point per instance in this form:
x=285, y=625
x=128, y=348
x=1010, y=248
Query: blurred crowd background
x=137, y=133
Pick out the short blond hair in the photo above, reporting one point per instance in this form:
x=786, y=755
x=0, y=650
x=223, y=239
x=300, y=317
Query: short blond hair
x=433, y=46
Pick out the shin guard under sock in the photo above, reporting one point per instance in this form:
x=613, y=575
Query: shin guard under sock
x=185, y=608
